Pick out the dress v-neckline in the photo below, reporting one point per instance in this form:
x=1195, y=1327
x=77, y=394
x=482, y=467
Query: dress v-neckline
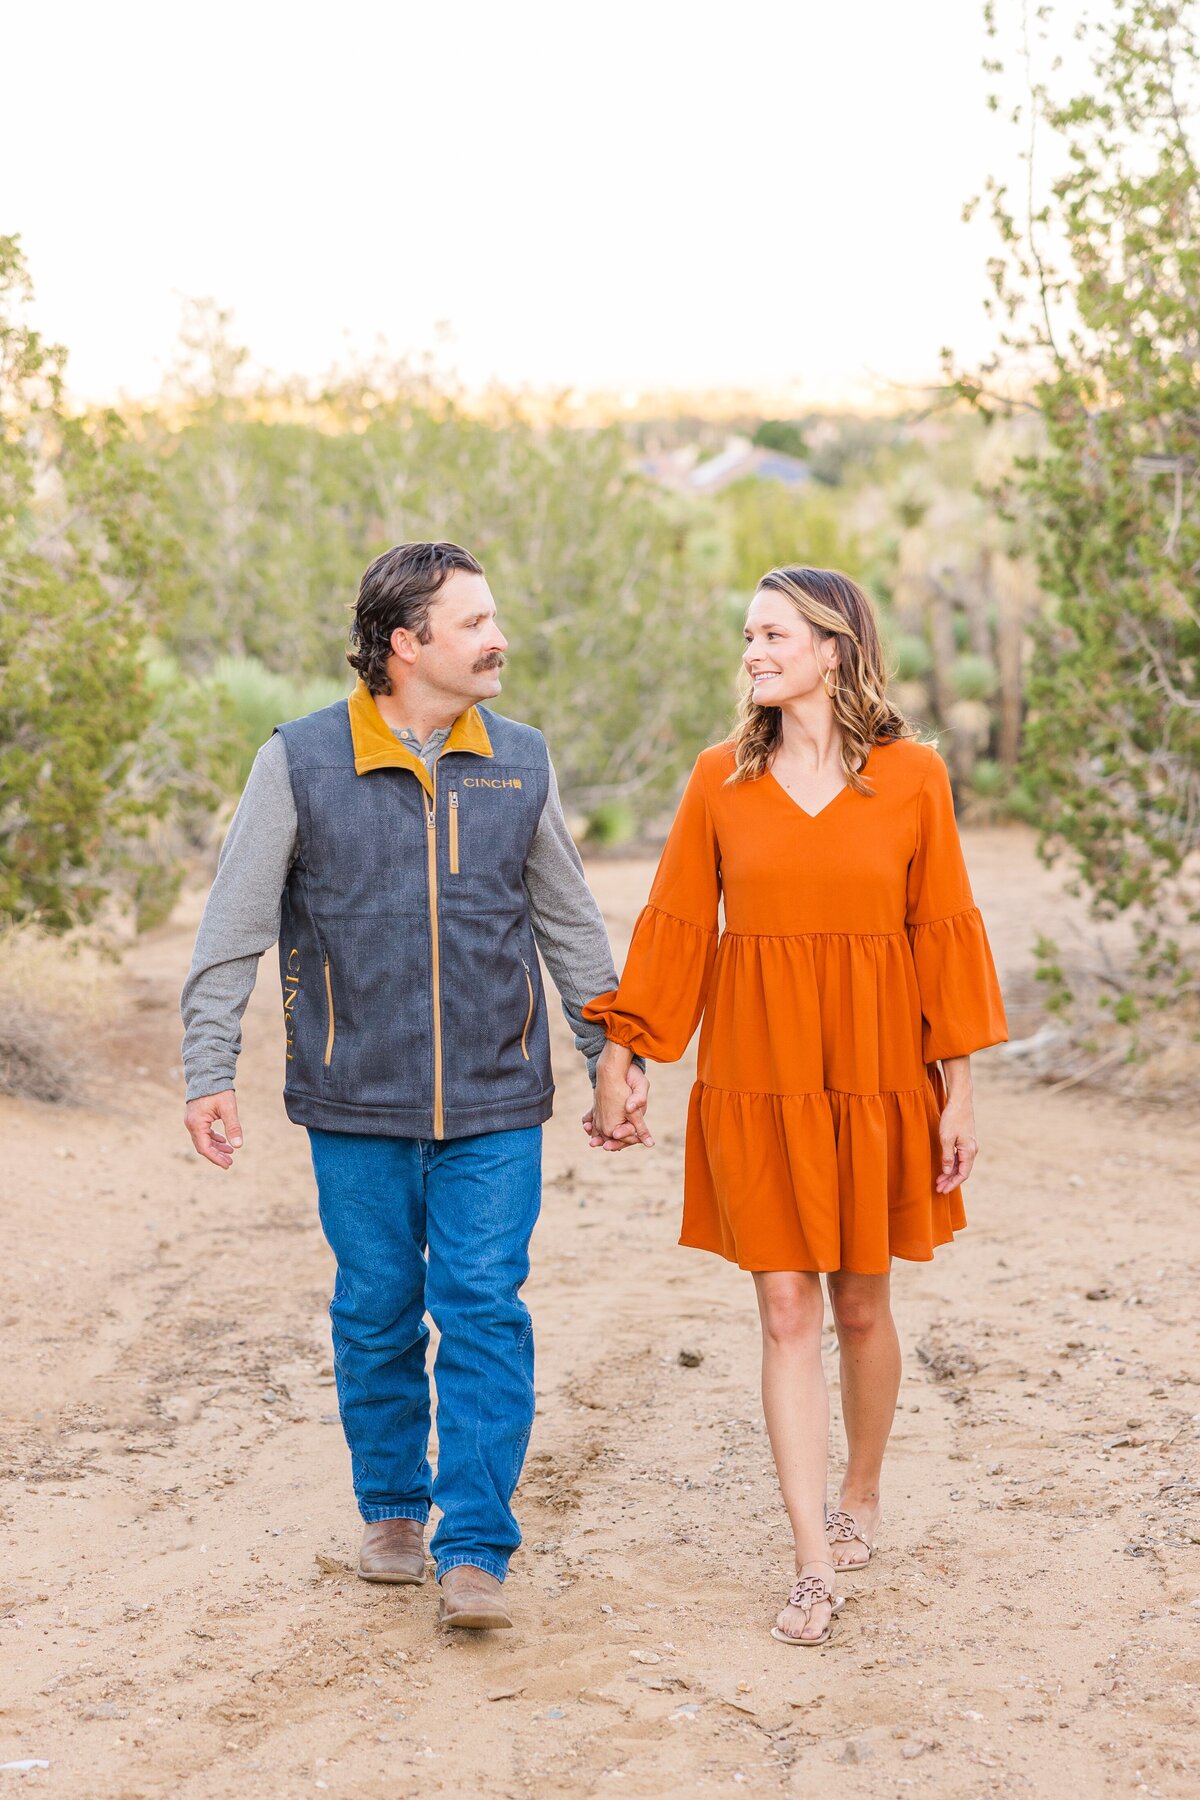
x=821, y=810
x=803, y=810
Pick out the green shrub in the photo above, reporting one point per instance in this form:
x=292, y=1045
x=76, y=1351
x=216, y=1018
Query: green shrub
x=910, y=656
x=611, y=824
x=973, y=677
x=256, y=699
x=987, y=778
x=1021, y=803
x=781, y=434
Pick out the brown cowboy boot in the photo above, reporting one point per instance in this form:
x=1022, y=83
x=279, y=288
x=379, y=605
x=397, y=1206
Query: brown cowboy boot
x=393, y=1550
x=471, y=1600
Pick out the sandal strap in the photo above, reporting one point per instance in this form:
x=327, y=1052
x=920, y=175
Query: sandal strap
x=810, y=1591
x=844, y=1527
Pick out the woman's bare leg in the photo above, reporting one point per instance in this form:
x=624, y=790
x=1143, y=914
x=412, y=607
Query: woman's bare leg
x=796, y=1406
x=870, y=1370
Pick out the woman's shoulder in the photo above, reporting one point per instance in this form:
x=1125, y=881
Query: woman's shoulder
x=904, y=761
x=718, y=760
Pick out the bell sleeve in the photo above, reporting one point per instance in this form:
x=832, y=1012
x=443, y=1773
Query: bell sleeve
x=961, y=1006
x=656, y=1007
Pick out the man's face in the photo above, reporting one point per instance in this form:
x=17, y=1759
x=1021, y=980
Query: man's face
x=463, y=658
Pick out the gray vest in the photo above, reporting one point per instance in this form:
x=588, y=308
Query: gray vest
x=412, y=996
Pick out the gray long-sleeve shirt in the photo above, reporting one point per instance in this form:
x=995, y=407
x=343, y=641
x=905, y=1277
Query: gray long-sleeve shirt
x=241, y=918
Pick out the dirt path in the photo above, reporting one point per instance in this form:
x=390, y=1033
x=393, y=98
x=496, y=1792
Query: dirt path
x=176, y=1514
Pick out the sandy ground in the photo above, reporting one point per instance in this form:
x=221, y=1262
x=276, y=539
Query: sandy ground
x=176, y=1613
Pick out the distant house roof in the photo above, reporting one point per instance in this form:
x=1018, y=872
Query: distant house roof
x=777, y=465
x=740, y=460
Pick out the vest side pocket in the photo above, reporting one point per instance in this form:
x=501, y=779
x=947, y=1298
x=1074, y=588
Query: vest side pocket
x=529, y=1014
x=329, y=1035
x=454, y=831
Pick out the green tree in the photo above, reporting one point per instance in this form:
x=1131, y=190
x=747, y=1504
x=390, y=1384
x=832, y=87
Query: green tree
x=88, y=759
x=781, y=434
x=1098, y=290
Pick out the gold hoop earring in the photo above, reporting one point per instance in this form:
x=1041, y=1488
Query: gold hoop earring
x=831, y=691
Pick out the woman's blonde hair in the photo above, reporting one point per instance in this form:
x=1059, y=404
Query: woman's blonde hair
x=834, y=606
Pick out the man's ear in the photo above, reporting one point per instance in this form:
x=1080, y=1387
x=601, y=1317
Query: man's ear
x=404, y=645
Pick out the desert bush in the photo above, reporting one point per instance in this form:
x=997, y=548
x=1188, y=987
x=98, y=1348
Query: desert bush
x=586, y=559
x=55, y=998
x=610, y=824
x=973, y=677
x=770, y=525
x=909, y=655
x=988, y=778
x=256, y=699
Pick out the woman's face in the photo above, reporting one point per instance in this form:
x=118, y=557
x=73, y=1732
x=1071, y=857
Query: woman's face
x=784, y=655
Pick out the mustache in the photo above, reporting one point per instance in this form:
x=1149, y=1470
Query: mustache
x=496, y=660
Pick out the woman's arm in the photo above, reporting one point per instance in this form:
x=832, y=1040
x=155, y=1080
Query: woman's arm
x=960, y=1146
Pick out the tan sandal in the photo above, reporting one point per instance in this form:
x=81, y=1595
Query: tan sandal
x=810, y=1591
x=844, y=1528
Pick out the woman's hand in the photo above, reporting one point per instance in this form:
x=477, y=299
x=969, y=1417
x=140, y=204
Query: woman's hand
x=616, y=1119
x=960, y=1146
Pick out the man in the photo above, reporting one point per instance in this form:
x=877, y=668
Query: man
x=407, y=849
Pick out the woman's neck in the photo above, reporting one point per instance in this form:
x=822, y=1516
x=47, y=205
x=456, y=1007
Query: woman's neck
x=809, y=733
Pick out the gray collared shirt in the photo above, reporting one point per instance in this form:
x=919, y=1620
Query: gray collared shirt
x=241, y=918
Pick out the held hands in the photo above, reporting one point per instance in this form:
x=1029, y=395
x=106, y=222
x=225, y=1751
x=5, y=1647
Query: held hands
x=202, y=1115
x=617, y=1116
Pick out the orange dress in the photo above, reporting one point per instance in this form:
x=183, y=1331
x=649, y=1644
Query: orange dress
x=853, y=958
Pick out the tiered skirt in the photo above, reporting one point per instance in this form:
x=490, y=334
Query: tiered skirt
x=812, y=1133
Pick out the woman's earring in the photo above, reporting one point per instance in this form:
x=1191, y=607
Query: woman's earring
x=825, y=674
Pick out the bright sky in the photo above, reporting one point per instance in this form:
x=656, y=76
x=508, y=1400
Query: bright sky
x=612, y=196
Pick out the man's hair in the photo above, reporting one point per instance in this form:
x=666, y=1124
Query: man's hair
x=396, y=593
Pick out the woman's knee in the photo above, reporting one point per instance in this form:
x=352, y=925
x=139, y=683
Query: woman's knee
x=791, y=1309
x=861, y=1303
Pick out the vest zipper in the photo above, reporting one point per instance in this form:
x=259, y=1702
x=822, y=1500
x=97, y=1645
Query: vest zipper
x=329, y=1004
x=529, y=1014
x=454, y=831
x=439, y=1123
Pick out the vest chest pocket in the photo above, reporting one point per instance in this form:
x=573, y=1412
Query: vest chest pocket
x=454, y=866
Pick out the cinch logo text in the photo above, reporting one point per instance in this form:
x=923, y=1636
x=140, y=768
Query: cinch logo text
x=510, y=781
x=291, y=987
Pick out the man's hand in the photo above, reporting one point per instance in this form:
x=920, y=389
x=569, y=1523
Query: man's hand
x=616, y=1119
x=203, y=1114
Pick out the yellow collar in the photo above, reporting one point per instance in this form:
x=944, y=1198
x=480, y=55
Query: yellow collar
x=376, y=746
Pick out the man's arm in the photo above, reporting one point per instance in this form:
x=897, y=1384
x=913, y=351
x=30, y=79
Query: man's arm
x=241, y=920
x=568, y=926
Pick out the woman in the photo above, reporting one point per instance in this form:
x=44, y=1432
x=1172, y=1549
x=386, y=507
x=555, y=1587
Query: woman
x=831, y=1126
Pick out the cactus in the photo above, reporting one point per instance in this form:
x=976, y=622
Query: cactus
x=940, y=615
x=911, y=656
x=913, y=699
x=970, y=727
x=1014, y=586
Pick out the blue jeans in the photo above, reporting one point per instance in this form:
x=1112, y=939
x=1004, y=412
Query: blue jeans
x=444, y=1226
